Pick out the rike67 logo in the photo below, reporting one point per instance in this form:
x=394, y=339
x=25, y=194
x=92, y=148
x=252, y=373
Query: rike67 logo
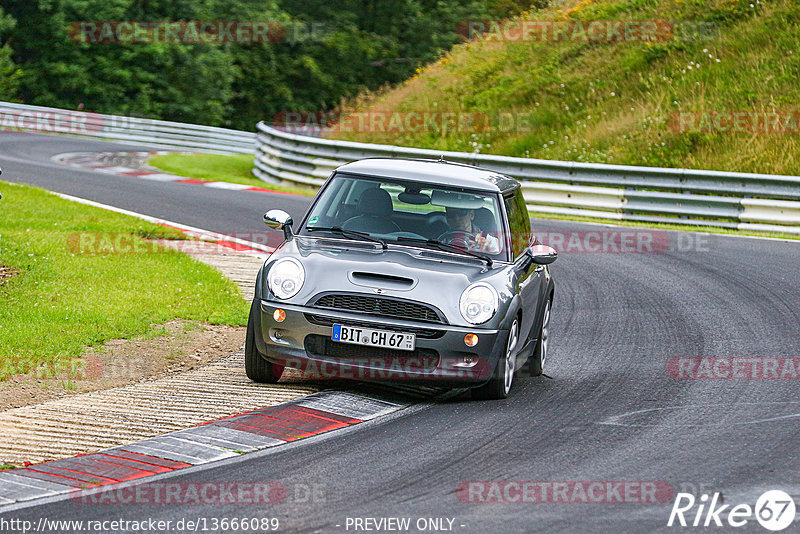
x=774, y=510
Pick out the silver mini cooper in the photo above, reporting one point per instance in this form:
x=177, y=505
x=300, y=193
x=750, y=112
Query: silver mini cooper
x=405, y=270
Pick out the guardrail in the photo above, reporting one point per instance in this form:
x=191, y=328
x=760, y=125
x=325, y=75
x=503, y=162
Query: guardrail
x=150, y=132
x=648, y=194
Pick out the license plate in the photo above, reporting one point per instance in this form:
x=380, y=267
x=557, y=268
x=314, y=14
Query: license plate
x=373, y=338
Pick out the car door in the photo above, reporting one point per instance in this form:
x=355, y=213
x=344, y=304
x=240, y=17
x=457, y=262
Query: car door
x=529, y=277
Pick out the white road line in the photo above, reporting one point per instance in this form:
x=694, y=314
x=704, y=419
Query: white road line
x=156, y=220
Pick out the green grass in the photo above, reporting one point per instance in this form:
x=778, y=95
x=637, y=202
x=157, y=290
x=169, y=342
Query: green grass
x=59, y=302
x=218, y=168
x=612, y=102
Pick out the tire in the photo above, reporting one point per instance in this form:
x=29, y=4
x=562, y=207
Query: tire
x=502, y=379
x=539, y=358
x=258, y=369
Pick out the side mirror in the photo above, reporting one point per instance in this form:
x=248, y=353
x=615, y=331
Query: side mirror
x=542, y=254
x=279, y=220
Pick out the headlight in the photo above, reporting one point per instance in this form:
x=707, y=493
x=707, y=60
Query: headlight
x=286, y=277
x=478, y=303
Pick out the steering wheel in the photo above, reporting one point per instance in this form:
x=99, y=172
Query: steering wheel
x=459, y=238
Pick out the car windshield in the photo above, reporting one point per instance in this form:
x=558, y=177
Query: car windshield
x=410, y=214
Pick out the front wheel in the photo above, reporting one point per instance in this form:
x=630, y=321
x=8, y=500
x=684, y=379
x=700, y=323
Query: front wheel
x=502, y=378
x=539, y=357
x=257, y=368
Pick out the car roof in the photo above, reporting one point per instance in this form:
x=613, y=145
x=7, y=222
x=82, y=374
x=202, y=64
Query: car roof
x=431, y=171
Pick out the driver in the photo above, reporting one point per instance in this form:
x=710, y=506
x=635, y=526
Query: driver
x=460, y=220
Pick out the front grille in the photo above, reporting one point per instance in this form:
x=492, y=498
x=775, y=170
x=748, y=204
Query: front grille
x=380, y=307
x=425, y=333
x=418, y=359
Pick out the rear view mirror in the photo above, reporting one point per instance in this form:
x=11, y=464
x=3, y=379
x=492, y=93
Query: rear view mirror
x=279, y=220
x=542, y=254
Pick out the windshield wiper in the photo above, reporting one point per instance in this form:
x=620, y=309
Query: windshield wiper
x=446, y=247
x=347, y=233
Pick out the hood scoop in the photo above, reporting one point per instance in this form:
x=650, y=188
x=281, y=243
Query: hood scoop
x=382, y=281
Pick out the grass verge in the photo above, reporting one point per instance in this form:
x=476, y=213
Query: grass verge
x=218, y=168
x=60, y=302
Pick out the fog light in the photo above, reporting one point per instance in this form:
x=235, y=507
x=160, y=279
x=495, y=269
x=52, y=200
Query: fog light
x=471, y=340
x=279, y=315
x=467, y=361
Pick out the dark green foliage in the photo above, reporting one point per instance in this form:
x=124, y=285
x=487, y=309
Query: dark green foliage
x=332, y=51
x=9, y=72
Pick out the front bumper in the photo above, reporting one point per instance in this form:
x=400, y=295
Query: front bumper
x=303, y=341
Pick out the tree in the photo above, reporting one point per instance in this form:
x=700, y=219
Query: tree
x=10, y=73
x=331, y=51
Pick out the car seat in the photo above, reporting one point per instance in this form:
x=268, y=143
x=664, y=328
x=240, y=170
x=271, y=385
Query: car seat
x=485, y=221
x=375, y=207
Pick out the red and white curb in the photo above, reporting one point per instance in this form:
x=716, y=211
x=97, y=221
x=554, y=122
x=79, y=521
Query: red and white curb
x=217, y=440
x=93, y=161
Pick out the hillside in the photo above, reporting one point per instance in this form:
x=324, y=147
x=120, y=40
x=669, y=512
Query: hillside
x=717, y=88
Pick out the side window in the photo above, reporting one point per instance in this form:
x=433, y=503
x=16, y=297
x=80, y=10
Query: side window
x=519, y=222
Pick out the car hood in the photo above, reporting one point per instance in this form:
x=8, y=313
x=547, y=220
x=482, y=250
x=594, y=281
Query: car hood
x=431, y=276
